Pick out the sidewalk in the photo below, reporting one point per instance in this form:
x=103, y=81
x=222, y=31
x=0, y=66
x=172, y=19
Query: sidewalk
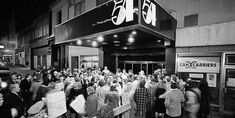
x=19, y=69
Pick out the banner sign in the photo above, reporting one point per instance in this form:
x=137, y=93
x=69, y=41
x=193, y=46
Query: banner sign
x=198, y=64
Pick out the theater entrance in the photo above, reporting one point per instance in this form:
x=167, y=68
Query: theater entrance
x=136, y=66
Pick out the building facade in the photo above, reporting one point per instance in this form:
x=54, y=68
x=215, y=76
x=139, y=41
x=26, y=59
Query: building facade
x=133, y=42
x=41, y=41
x=23, y=52
x=205, y=45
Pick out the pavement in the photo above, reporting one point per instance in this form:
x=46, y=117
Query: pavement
x=20, y=69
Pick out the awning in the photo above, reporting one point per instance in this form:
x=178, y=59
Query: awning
x=116, y=21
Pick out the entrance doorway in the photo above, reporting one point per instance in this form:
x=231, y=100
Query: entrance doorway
x=229, y=90
x=136, y=66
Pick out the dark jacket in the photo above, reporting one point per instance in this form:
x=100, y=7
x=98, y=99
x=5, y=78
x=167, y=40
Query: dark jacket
x=15, y=101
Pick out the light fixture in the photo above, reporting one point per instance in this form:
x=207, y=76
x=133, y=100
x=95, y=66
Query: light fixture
x=125, y=48
x=79, y=42
x=134, y=32
x=116, y=41
x=131, y=39
x=115, y=35
x=117, y=45
x=104, y=43
x=94, y=44
x=158, y=41
x=100, y=39
x=1, y=46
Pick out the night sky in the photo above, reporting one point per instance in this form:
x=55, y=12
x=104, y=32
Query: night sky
x=25, y=12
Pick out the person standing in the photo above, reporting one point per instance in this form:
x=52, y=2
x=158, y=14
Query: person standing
x=192, y=102
x=91, y=106
x=14, y=101
x=173, y=101
x=4, y=109
x=142, y=99
x=205, y=99
x=25, y=85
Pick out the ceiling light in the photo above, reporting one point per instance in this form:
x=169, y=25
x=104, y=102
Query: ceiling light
x=131, y=39
x=100, y=39
x=116, y=41
x=115, y=35
x=94, y=44
x=104, y=43
x=134, y=32
x=158, y=41
x=79, y=42
x=117, y=45
x=125, y=48
x=1, y=46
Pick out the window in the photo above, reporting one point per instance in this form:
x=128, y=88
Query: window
x=45, y=29
x=80, y=7
x=40, y=31
x=59, y=17
x=191, y=20
x=99, y=2
x=89, y=61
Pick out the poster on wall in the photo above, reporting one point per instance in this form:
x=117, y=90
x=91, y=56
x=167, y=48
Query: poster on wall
x=211, y=79
x=231, y=82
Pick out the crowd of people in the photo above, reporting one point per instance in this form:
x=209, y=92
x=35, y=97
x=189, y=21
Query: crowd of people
x=158, y=95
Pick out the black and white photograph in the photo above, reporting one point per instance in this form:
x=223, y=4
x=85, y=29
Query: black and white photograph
x=117, y=59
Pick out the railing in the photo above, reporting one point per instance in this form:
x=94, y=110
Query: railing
x=124, y=111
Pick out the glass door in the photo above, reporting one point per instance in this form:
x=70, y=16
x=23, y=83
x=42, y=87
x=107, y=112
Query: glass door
x=229, y=90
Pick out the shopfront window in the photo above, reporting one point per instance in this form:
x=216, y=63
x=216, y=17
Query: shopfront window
x=89, y=61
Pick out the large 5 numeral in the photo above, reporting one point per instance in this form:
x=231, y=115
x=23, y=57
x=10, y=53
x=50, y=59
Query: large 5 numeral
x=122, y=9
x=149, y=12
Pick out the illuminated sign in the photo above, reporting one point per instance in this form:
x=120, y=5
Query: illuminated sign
x=198, y=64
x=149, y=12
x=123, y=9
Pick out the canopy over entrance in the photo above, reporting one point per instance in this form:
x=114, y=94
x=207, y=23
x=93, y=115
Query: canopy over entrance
x=120, y=24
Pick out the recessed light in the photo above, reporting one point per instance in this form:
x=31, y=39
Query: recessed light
x=79, y=42
x=100, y=38
x=116, y=41
x=124, y=48
x=104, y=43
x=131, y=39
x=115, y=35
x=158, y=41
x=117, y=45
x=134, y=32
x=94, y=44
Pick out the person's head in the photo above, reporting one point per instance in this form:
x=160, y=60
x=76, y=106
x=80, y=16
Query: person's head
x=19, y=76
x=77, y=85
x=142, y=83
x=90, y=90
x=15, y=88
x=28, y=76
x=62, y=78
x=174, y=85
x=1, y=99
x=113, y=88
x=118, y=70
x=49, y=76
x=101, y=83
x=167, y=78
x=14, y=78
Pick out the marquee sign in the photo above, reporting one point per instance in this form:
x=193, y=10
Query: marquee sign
x=198, y=64
x=117, y=14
